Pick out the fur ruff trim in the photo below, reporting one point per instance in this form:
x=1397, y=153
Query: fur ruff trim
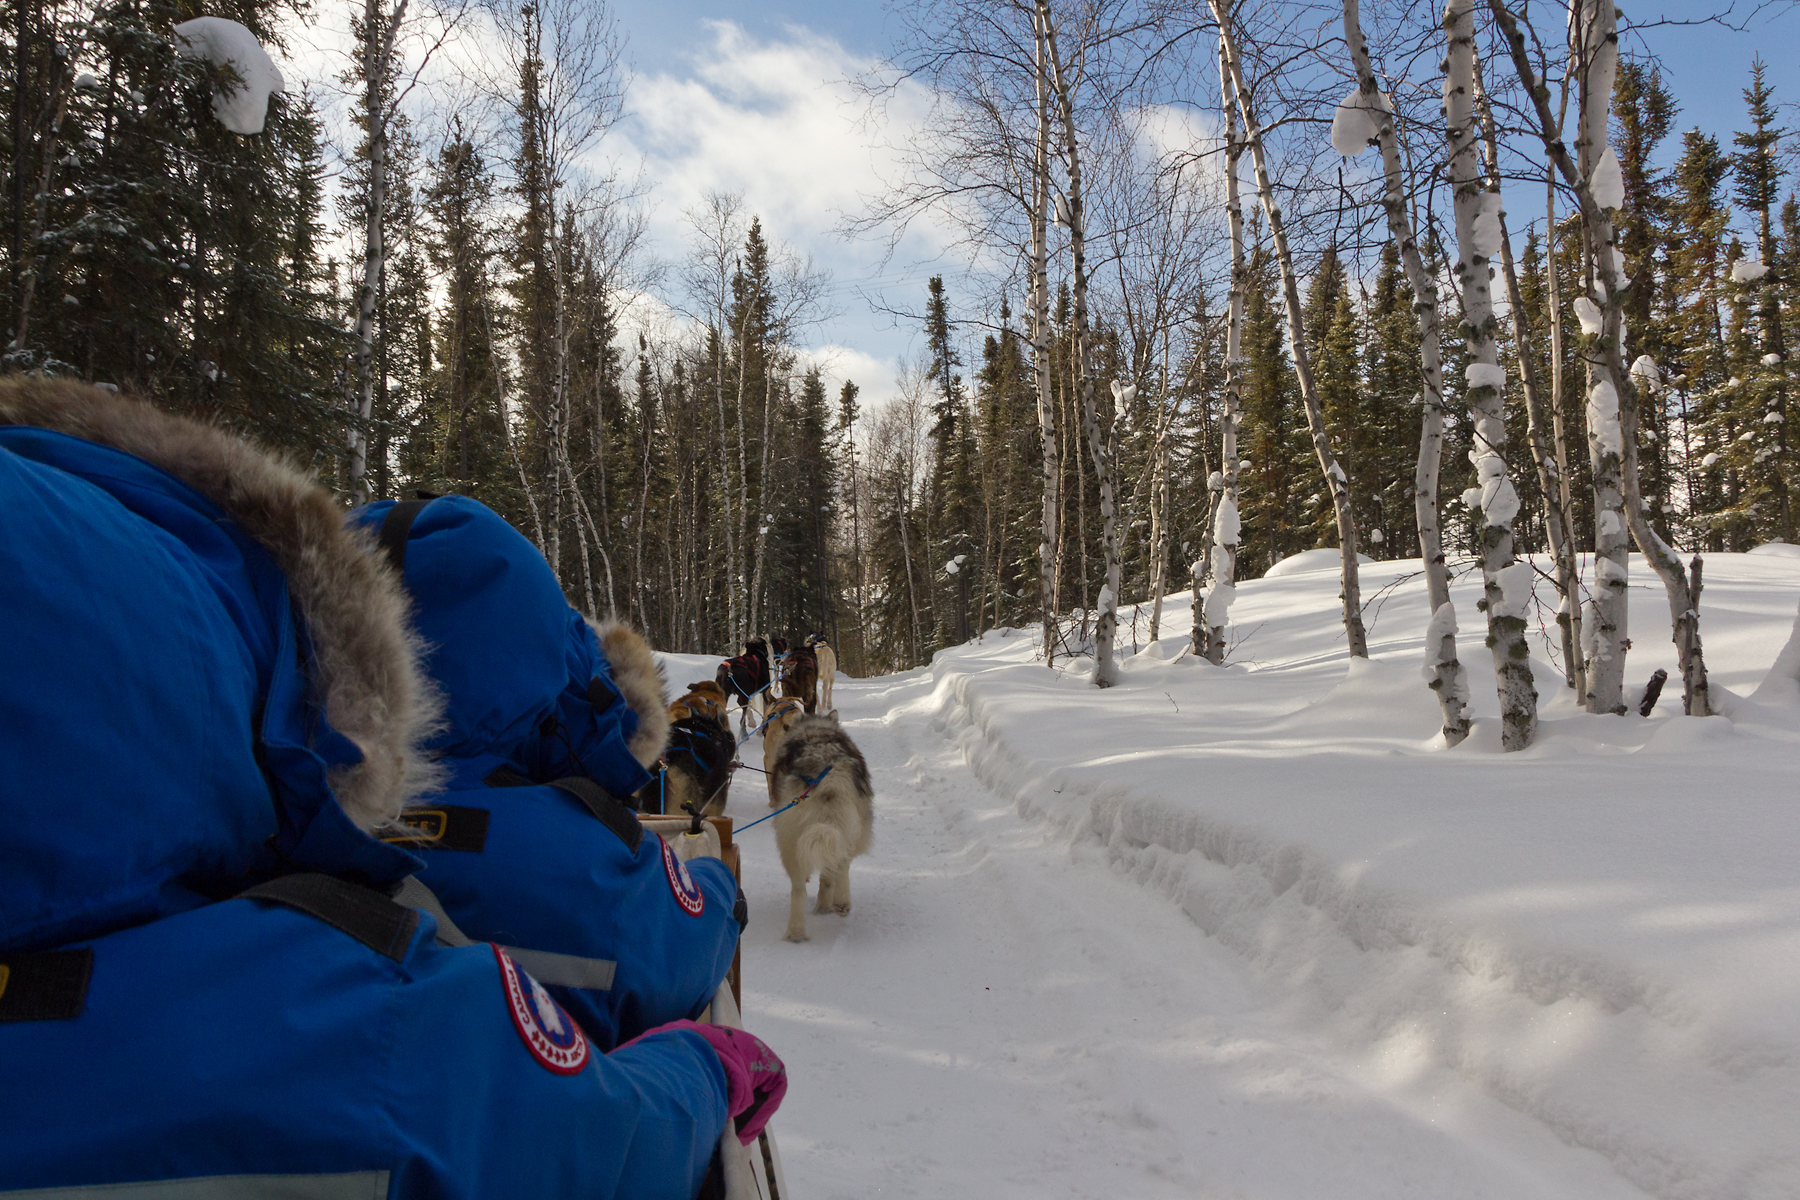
x=640, y=681
x=367, y=656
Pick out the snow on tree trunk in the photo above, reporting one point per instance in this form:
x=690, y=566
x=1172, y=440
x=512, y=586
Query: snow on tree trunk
x=1557, y=523
x=1100, y=445
x=1446, y=674
x=1595, y=49
x=1217, y=604
x=1040, y=344
x=1335, y=480
x=1478, y=230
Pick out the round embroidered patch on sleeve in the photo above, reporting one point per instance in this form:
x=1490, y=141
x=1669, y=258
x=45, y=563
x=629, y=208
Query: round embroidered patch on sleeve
x=547, y=1031
x=687, y=892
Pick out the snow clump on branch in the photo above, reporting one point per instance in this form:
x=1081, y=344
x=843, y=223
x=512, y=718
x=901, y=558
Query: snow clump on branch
x=245, y=107
x=1357, y=122
x=1588, y=313
x=1748, y=270
x=1123, y=395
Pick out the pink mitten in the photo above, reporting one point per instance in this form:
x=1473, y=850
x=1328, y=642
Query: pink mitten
x=755, y=1079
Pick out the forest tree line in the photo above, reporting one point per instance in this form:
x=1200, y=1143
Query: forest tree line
x=447, y=302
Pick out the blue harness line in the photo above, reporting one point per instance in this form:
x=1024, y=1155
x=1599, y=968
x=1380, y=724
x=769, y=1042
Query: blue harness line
x=810, y=785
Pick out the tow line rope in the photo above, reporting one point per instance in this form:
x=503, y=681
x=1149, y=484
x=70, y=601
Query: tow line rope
x=810, y=785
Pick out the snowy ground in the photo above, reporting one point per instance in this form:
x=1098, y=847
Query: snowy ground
x=1256, y=933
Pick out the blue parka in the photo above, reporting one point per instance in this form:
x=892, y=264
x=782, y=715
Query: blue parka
x=548, y=723
x=246, y=1039
x=208, y=691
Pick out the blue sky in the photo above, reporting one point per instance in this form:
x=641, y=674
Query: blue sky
x=750, y=98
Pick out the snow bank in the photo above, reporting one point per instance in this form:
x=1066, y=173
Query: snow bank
x=224, y=43
x=1308, y=561
x=1602, y=932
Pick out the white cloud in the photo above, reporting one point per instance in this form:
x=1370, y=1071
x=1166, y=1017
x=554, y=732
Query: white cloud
x=876, y=379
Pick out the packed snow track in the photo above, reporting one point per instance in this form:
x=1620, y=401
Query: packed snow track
x=1004, y=1014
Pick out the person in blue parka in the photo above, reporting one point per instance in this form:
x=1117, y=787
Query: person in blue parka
x=550, y=725
x=210, y=704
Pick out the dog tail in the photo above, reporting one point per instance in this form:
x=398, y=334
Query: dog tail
x=822, y=846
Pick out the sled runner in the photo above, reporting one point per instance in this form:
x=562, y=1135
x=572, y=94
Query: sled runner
x=752, y=1172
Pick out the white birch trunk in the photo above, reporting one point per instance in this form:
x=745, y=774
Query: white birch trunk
x=1506, y=585
x=1568, y=580
x=1100, y=446
x=1040, y=344
x=1335, y=480
x=378, y=51
x=1549, y=466
x=512, y=449
x=1215, y=612
x=1444, y=670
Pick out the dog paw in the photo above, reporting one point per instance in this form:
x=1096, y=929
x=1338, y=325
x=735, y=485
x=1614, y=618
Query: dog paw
x=842, y=910
x=796, y=937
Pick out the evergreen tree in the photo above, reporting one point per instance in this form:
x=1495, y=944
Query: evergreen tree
x=1762, y=400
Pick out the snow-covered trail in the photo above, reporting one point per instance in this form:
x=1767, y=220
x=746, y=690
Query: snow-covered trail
x=1004, y=1014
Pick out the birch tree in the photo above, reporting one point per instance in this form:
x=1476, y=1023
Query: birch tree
x=1039, y=307
x=1100, y=443
x=379, y=31
x=1595, y=178
x=1506, y=584
x=1224, y=527
x=1546, y=455
x=1336, y=482
x=1372, y=113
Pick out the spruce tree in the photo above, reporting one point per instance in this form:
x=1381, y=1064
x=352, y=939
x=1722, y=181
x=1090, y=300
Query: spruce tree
x=1756, y=173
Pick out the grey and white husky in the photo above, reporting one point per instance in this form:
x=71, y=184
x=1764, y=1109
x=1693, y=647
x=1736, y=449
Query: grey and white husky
x=831, y=825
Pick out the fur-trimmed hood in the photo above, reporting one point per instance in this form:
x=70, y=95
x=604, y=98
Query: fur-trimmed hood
x=366, y=676
x=640, y=681
x=526, y=677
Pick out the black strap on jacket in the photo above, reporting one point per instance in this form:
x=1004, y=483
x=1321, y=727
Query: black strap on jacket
x=607, y=808
x=46, y=986
x=611, y=811
x=366, y=915
x=396, y=527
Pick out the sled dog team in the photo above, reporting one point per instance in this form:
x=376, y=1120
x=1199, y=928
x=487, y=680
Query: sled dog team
x=324, y=871
x=818, y=781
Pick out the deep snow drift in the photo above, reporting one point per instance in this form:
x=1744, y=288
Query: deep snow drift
x=1571, y=971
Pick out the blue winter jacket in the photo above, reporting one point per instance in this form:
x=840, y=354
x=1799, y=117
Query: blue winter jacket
x=206, y=685
x=162, y=739
x=532, y=845
x=624, y=934
x=522, y=673
x=251, y=1050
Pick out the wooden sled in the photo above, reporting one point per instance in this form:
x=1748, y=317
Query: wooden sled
x=752, y=1172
